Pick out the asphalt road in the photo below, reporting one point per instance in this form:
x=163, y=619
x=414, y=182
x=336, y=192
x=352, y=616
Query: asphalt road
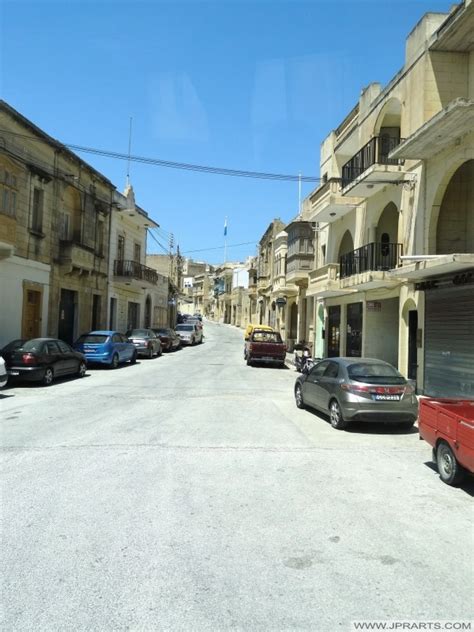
x=189, y=493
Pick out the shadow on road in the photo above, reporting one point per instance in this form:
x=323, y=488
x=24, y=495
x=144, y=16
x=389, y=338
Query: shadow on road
x=372, y=428
x=467, y=486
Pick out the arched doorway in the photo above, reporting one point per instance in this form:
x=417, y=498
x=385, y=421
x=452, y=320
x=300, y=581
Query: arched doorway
x=387, y=130
x=346, y=247
x=148, y=312
x=455, y=223
x=386, y=236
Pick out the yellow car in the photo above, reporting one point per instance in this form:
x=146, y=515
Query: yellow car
x=250, y=328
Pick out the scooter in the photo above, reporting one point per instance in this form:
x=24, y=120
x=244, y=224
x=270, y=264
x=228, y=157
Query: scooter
x=302, y=357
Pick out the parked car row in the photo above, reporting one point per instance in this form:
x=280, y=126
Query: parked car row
x=371, y=390
x=44, y=359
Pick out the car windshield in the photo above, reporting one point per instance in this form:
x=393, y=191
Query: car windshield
x=374, y=373
x=32, y=345
x=97, y=339
x=14, y=344
x=138, y=333
x=266, y=336
x=184, y=328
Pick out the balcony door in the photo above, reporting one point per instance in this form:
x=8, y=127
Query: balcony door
x=120, y=248
x=133, y=315
x=334, y=330
x=354, y=330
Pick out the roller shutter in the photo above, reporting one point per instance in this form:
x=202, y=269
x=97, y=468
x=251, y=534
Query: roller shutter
x=449, y=342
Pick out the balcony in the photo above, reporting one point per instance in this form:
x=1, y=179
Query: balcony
x=136, y=273
x=328, y=204
x=324, y=282
x=7, y=235
x=371, y=168
x=75, y=258
x=440, y=132
x=298, y=267
x=368, y=267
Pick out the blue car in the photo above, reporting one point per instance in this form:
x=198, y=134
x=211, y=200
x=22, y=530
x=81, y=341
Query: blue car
x=106, y=347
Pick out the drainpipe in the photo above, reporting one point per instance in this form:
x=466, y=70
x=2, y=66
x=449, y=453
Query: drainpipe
x=109, y=270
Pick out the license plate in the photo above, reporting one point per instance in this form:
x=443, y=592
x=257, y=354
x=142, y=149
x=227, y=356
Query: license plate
x=13, y=373
x=387, y=398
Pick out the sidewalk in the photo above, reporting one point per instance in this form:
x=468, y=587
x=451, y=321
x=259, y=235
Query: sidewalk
x=290, y=361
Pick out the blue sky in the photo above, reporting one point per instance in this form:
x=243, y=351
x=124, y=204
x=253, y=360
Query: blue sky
x=253, y=85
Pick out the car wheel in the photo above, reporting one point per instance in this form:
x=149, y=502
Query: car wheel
x=115, y=361
x=299, y=397
x=48, y=377
x=449, y=469
x=133, y=359
x=150, y=353
x=335, y=416
x=249, y=361
x=82, y=369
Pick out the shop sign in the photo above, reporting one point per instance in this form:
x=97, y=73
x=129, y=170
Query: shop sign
x=463, y=278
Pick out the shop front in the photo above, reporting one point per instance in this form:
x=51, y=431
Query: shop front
x=449, y=335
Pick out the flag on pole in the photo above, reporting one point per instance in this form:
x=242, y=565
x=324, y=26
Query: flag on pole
x=225, y=227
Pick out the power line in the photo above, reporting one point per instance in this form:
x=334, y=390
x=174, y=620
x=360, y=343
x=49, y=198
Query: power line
x=192, y=167
x=239, y=173
x=159, y=243
x=245, y=243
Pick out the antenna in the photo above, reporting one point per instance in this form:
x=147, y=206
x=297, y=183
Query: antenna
x=299, y=195
x=129, y=150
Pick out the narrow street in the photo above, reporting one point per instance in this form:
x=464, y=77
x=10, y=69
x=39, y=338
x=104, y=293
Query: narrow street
x=189, y=493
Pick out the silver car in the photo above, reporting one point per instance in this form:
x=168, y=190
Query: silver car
x=358, y=389
x=189, y=334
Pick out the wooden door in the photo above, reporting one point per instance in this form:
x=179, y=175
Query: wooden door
x=31, y=314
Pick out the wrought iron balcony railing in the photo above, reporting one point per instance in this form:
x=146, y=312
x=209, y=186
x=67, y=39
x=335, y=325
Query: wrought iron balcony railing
x=135, y=270
x=372, y=257
x=376, y=151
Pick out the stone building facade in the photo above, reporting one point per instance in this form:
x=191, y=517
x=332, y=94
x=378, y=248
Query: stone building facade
x=395, y=216
x=55, y=221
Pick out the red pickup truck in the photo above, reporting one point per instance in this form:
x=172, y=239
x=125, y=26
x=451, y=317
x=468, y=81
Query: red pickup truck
x=265, y=346
x=448, y=425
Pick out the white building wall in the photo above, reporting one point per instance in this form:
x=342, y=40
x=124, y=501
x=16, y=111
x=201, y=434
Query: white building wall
x=13, y=272
x=381, y=331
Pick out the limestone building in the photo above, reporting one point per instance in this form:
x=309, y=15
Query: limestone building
x=394, y=248
x=54, y=227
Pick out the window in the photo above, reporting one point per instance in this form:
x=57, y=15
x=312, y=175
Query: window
x=8, y=193
x=332, y=370
x=121, y=248
x=64, y=223
x=137, y=252
x=52, y=347
x=319, y=369
x=100, y=238
x=37, y=210
x=64, y=347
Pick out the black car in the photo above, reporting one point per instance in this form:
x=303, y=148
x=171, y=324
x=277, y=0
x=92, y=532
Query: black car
x=42, y=360
x=146, y=342
x=170, y=341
